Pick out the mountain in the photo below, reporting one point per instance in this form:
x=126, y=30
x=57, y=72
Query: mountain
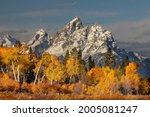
x=7, y=41
x=40, y=42
x=92, y=40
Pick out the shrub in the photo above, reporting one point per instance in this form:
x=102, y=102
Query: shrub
x=7, y=84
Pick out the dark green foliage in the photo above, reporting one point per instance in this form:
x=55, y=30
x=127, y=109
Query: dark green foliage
x=74, y=52
x=1, y=45
x=29, y=73
x=31, y=53
x=66, y=57
x=110, y=59
x=81, y=61
x=124, y=64
x=18, y=44
x=91, y=63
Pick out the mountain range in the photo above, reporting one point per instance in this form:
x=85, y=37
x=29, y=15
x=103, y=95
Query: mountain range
x=93, y=40
x=7, y=41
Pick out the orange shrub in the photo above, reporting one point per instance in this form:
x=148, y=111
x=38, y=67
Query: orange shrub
x=7, y=84
x=45, y=88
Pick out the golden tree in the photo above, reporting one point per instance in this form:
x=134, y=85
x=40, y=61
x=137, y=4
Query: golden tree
x=95, y=75
x=72, y=68
x=55, y=71
x=131, y=80
x=109, y=83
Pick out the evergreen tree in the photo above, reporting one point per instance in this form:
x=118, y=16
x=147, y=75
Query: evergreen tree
x=74, y=52
x=110, y=59
x=91, y=63
x=124, y=64
x=81, y=61
x=30, y=53
x=18, y=44
x=66, y=57
x=1, y=45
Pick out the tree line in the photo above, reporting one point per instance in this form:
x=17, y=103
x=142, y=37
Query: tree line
x=21, y=65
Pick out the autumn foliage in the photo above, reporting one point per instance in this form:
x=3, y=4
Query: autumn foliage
x=24, y=72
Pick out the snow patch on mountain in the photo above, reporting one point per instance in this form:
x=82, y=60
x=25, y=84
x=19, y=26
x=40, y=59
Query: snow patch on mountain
x=92, y=40
x=40, y=42
x=7, y=41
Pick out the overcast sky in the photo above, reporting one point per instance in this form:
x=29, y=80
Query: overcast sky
x=128, y=20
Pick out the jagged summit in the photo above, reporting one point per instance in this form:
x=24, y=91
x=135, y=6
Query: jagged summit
x=73, y=25
x=40, y=42
x=7, y=36
x=7, y=41
x=41, y=34
x=92, y=40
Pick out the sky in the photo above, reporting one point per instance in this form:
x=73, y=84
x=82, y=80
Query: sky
x=128, y=20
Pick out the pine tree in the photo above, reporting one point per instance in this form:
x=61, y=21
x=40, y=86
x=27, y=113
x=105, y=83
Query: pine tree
x=74, y=52
x=91, y=63
x=110, y=59
x=30, y=53
x=66, y=57
x=18, y=44
x=124, y=64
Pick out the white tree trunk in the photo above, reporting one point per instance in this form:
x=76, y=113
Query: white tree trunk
x=13, y=67
x=18, y=74
x=2, y=70
x=37, y=73
x=42, y=78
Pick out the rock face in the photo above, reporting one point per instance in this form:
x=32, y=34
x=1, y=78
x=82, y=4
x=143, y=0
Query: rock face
x=92, y=40
x=7, y=41
x=40, y=42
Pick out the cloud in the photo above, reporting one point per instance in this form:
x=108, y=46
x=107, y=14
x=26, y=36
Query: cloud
x=105, y=14
x=44, y=13
x=15, y=31
x=132, y=35
x=68, y=5
x=20, y=34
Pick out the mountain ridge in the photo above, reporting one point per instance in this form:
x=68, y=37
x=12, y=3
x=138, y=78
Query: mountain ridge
x=93, y=40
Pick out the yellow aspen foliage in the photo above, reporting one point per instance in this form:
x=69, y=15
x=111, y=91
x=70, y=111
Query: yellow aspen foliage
x=91, y=90
x=42, y=64
x=144, y=86
x=94, y=75
x=131, y=80
x=72, y=67
x=109, y=83
x=9, y=54
x=105, y=80
x=56, y=70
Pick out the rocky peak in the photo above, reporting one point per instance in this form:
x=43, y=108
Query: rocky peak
x=7, y=36
x=40, y=34
x=73, y=25
x=7, y=41
x=92, y=40
x=40, y=42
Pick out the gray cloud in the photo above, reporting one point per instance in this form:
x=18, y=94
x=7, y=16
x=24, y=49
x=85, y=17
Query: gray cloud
x=20, y=34
x=43, y=13
x=133, y=35
x=104, y=14
x=14, y=32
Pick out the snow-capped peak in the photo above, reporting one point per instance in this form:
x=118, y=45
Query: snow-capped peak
x=73, y=25
x=92, y=40
x=40, y=42
x=7, y=36
x=40, y=34
x=7, y=41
